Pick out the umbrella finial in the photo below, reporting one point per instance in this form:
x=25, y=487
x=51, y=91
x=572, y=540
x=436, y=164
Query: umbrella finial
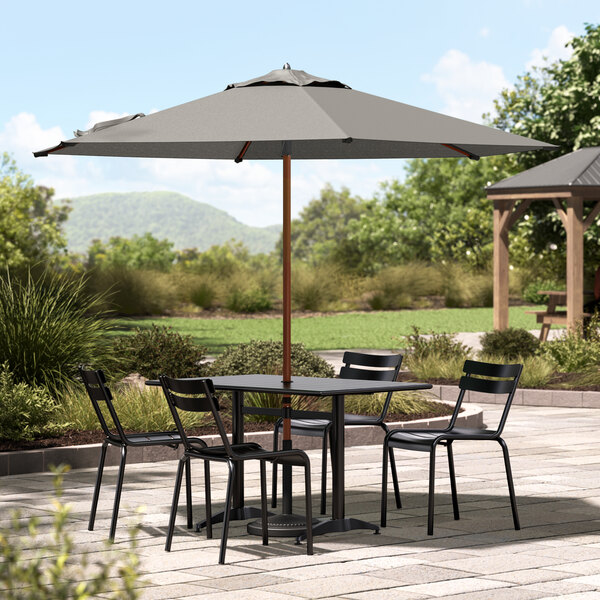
x=287, y=66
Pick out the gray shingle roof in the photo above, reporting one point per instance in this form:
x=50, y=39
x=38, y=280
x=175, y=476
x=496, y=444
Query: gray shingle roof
x=577, y=169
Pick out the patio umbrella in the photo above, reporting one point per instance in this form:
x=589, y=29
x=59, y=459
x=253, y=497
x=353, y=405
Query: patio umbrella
x=292, y=113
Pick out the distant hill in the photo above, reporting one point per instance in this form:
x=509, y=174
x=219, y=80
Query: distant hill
x=178, y=218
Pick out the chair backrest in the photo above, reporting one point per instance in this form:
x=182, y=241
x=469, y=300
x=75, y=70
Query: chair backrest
x=193, y=395
x=374, y=367
x=95, y=385
x=488, y=378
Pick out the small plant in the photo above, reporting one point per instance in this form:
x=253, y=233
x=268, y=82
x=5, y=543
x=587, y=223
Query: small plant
x=25, y=410
x=511, y=343
x=436, y=366
x=249, y=300
x=402, y=403
x=48, y=327
x=537, y=370
x=159, y=351
x=530, y=291
x=572, y=352
x=443, y=345
x=34, y=569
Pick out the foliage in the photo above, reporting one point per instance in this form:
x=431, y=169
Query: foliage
x=435, y=365
x=511, y=343
x=47, y=328
x=402, y=403
x=398, y=287
x=30, y=225
x=159, y=351
x=131, y=291
x=572, y=352
x=442, y=345
x=137, y=252
x=33, y=568
x=203, y=294
x=537, y=370
x=139, y=409
x=266, y=357
x=530, y=292
x=25, y=410
x=319, y=234
x=439, y=213
x=248, y=299
x=315, y=288
x=463, y=288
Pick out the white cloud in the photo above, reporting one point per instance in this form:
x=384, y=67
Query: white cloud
x=555, y=49
x=467, y=88
x=97, y=116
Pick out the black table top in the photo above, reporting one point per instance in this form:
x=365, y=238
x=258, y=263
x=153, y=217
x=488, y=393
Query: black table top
x=308, y=386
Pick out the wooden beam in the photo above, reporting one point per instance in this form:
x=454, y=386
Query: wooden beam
x=591, y=217
x=574, y=227
x=518, y=212
x=505, y=212
x=561, y=211
x=502, y=211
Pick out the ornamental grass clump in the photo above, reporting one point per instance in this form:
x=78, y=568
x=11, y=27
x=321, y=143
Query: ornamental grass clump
x=48, y=326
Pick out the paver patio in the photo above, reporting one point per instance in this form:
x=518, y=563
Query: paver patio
x=555, y=455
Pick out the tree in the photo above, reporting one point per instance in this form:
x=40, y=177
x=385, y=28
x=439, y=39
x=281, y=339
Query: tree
x=30, y=225
x=321, y=231
x=138, y=252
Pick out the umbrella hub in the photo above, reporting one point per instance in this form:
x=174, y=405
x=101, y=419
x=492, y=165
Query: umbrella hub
x=289, y=76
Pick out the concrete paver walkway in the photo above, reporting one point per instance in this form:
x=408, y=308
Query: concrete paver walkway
x=555, y=456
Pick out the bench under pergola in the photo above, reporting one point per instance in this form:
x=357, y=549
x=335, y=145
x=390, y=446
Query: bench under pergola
x=569, y=182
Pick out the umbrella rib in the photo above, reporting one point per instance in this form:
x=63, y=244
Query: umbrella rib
x=240, y=157
x=462, y=151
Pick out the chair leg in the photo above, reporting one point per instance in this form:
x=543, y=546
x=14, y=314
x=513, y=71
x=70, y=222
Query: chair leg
x=384, y=482
x=226, y=514
x=97, y=487
x=182, y=463
x=263, y=503
x=511, y=487
x=453, y=482
x=309, y=518
x=394, y=472
x=274, y=478
x=207, y=500
x=324, y=474
x=431, y=491
x=188, y=494
x=113, y=524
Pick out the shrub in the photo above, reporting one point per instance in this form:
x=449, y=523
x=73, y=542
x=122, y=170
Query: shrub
x=134, y=291
x=404, y=403
x=463, y=289
x=25, y=410
x=266, y=357
x=159, y=351
x=511, y=343
x=47, y=568
x=442, y=345
x=203, y=295
x=47, y=328
x=397, y=287
x=572, y=352
x=530, y=291
x=249, y=300
x=537, y=370
x=436, y=366
x=314, y=288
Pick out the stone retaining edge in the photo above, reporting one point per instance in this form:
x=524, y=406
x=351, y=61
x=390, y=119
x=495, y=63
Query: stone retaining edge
x=87, y=456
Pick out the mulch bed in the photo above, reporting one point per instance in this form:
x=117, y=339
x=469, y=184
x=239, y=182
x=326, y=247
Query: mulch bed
x=78, y=438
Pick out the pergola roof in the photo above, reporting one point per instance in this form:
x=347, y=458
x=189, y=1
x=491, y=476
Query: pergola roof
x=579, y=169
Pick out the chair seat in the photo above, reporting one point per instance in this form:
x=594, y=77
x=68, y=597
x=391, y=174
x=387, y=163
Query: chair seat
x=424, y=439
x=320, y=425
x=158, y=438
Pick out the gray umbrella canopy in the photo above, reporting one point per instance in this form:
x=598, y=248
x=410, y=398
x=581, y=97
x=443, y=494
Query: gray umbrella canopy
x=320, y=118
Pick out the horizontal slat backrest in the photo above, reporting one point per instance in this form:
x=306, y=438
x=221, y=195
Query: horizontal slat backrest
x=473, y=367
x=370, y=375
x=382, y=361
x=487, y=386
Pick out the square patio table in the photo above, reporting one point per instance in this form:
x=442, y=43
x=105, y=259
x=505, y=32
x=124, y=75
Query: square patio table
x=302, y=386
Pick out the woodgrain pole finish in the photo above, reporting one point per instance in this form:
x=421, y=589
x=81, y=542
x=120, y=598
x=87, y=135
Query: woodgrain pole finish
x=502, y=210
x=575, y=227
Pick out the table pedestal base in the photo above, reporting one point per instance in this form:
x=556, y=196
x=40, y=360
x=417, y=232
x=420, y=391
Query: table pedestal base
x=288, y=525
x=237, y=514
x=338, y=525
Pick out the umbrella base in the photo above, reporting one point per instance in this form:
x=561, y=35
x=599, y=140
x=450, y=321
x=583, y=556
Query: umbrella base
x=282, y=526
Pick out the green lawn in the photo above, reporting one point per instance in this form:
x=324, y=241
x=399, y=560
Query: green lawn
x=344, y=330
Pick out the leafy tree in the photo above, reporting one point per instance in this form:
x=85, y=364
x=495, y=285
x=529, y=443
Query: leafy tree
x=321, y=231
x=138, y=252
x=30, y=225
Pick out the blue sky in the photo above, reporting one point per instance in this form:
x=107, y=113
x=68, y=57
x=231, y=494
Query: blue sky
x=69, y=64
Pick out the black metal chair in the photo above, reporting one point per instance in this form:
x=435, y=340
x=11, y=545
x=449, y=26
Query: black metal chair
x=479, y=377
x=95, y=384
x=198, y=395
x=387, y=368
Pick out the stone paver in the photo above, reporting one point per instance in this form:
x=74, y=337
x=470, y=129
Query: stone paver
x=555, y=453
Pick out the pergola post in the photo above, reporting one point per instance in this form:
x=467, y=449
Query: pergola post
x=502, y=210
x=575, y=228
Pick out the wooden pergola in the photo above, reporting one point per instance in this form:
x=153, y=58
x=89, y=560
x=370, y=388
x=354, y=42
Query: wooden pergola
x=569, y=182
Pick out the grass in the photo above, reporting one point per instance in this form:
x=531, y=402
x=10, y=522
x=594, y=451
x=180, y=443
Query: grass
x=346, y=330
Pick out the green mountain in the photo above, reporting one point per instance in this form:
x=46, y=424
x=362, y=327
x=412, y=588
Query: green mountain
x=178, y=218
